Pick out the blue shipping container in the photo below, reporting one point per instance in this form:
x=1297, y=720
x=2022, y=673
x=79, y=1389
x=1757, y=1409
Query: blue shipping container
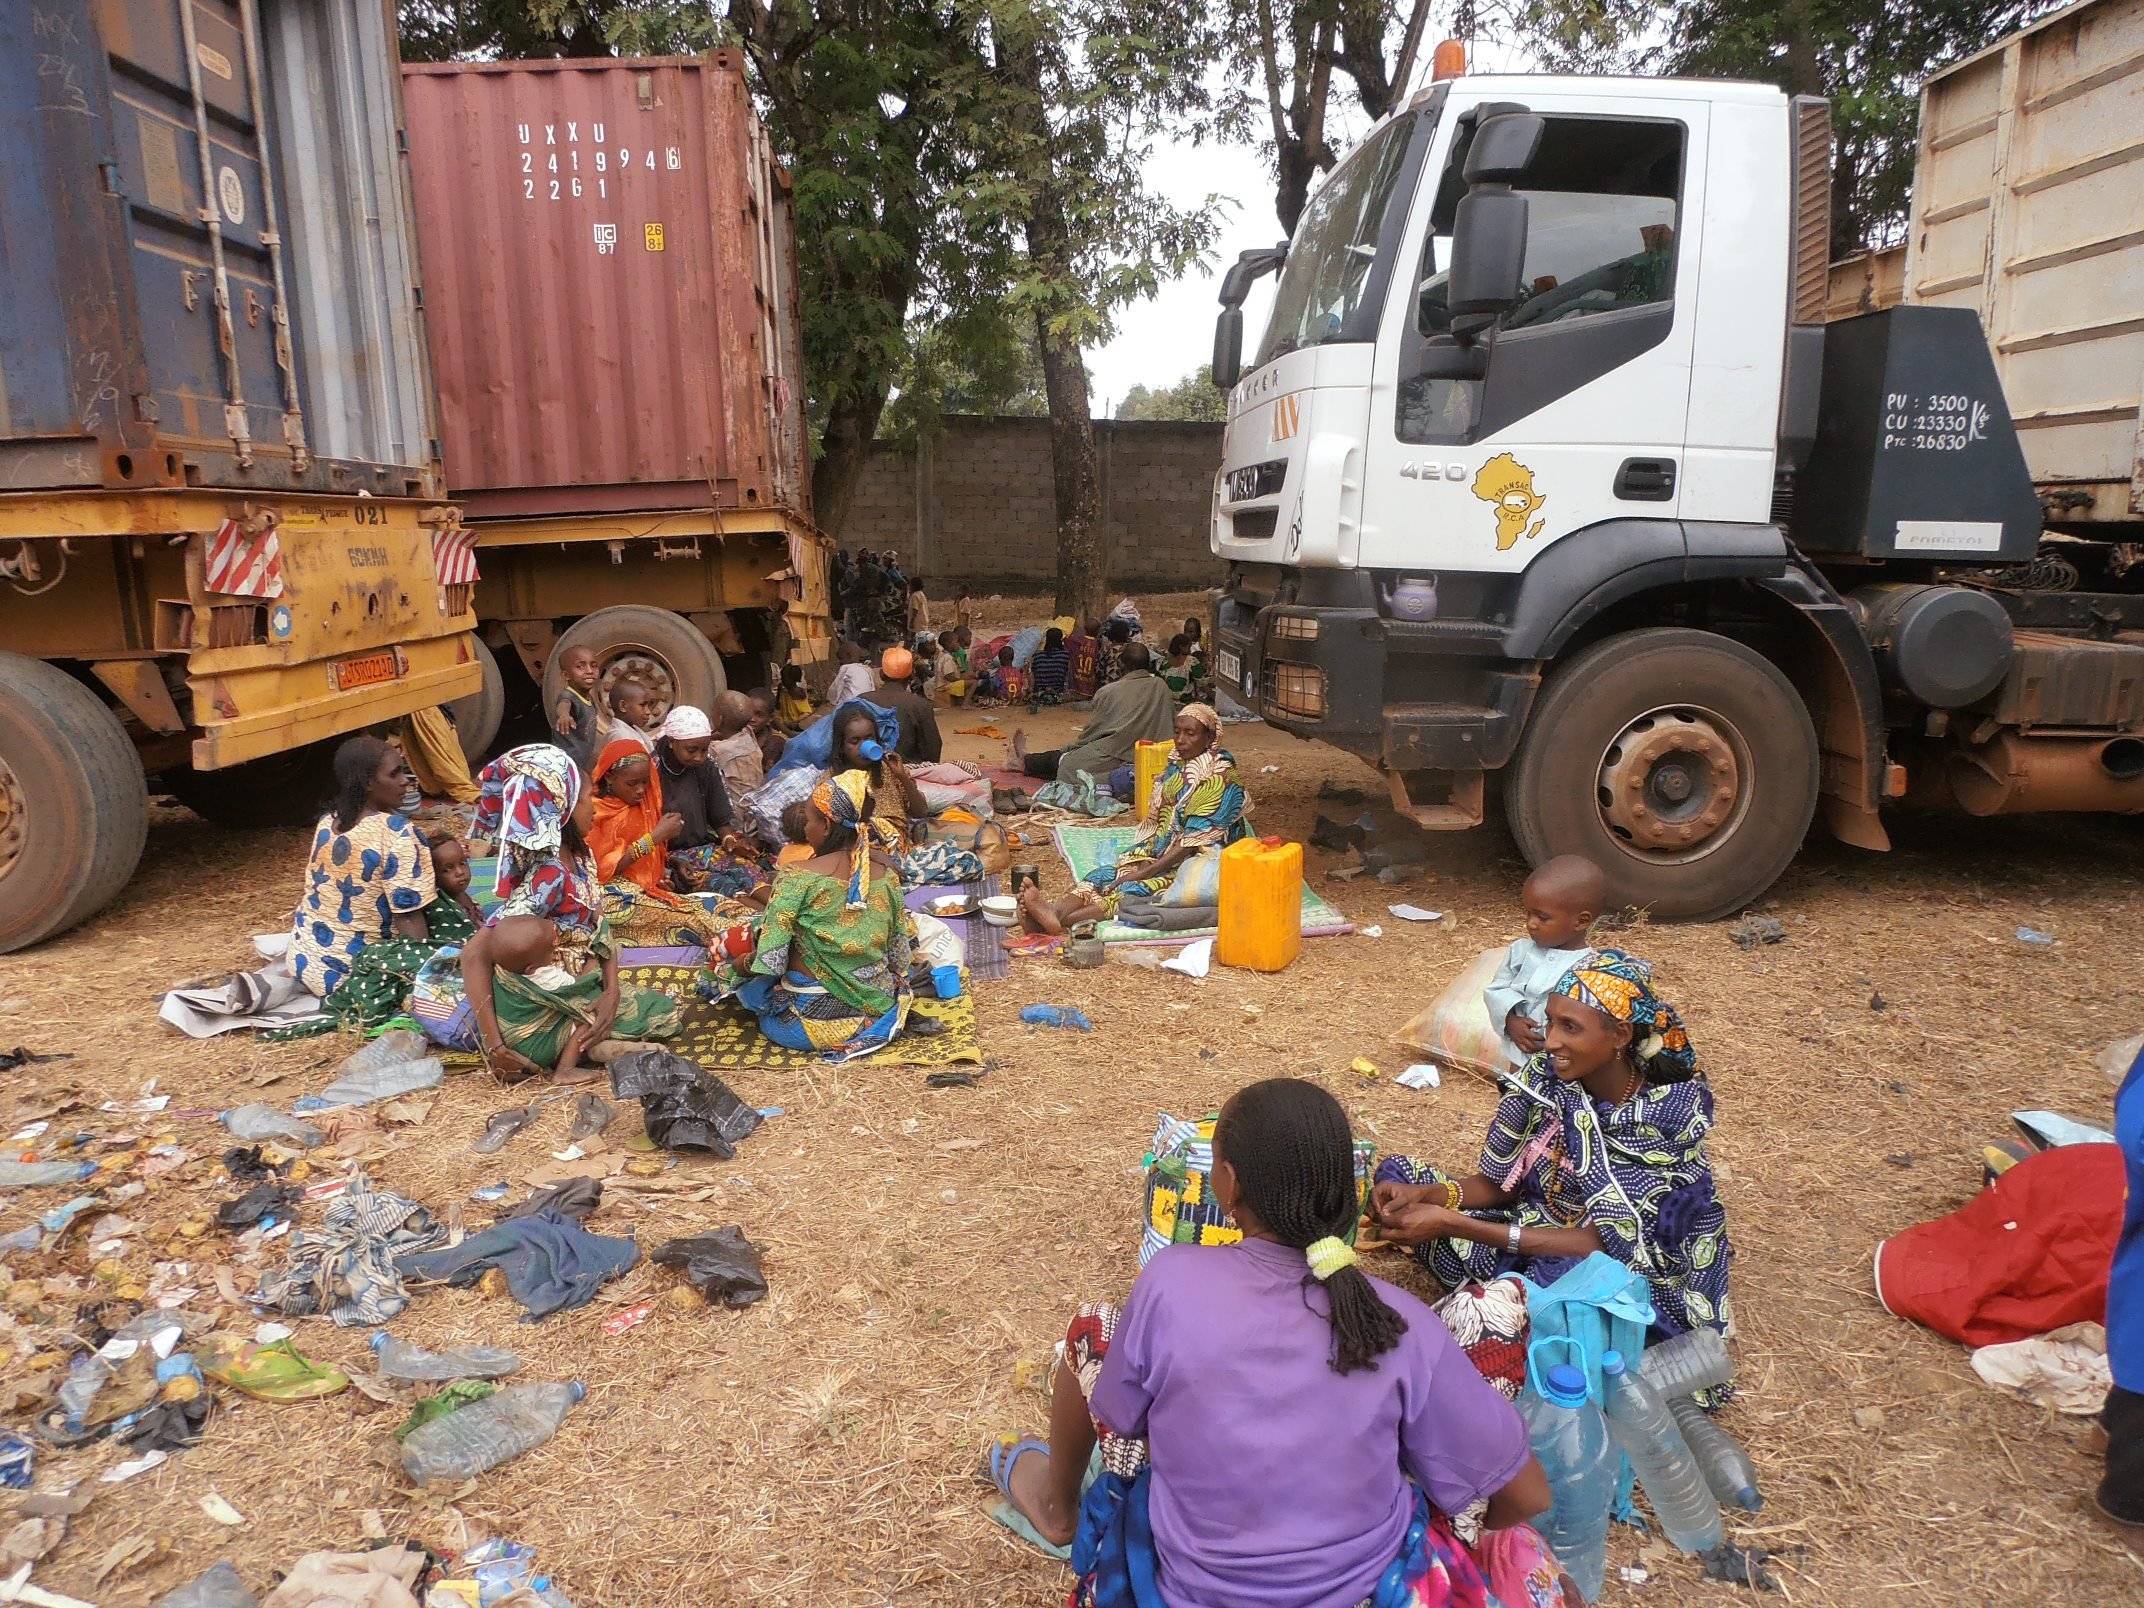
x=207, y=270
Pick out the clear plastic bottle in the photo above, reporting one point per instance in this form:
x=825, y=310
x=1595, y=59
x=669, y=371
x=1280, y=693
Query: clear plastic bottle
x=43, y=1174
x=486, y=1433
x=1673, y=1482
x=218, y=1587
x=401, y=1360
x=389, y=1049
x=1728, y=1470
x=1571, y=1439
x=1686, y=1364
x=257, y=1122
x=374, y=1083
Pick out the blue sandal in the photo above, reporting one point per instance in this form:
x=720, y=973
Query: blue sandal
x=1001, y=1459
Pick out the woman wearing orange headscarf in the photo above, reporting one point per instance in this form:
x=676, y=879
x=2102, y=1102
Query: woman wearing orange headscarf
x=631, y=843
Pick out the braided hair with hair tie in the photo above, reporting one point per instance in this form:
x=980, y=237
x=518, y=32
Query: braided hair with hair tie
x=1290, y=1147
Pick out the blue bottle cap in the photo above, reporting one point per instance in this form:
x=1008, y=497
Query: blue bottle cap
x=1566, y=1385
x=1611, y=1363
x=379, y=1339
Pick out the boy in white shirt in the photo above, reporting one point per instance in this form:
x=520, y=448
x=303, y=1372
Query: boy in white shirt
x=1561, y=900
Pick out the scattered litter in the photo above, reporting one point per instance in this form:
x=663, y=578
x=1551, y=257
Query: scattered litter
x=723, y=1266
x=2064, y=1369
x=363, y=1086
x=2117, y=1058
x=485, y=1434
x=154, y=1102
x=31, y=1132
x=43, y=1174
x=491, y=1192
x=221, y=1511
x=1269, y=770
x=1422, y=1075
x=2033, y=935
x=219, y=1587
x=1195, y=960
x=411, y=1364
x=1632, y=1575
x=1056, y=1016
x=681, y=1106
x=258, y=1121
x=1363, y=1067
x=631, y=1318
x=1754, y=929
x=18, y=1460
x=1371, y=931
x=450, y=1400
x=1409, y=912
x=119, y=1473
x=269, y=1333
x=570, y=1153
x=20, y=1057
x=128, y=1554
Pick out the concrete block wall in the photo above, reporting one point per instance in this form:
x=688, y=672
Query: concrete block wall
x=977, y=504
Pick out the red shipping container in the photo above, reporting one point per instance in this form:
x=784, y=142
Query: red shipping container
x=610, y=286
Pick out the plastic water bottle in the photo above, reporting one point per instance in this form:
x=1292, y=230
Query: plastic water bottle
x=1571, y=1439
x=1686, y=1364
x=1728, y=1470
x=259, y=1122
x=1674, y=1484
x=389, y=1049
x=43, y=1174
x=401, y=1360
x=374, y=1083
x=486, y=1433
x=219, y=1587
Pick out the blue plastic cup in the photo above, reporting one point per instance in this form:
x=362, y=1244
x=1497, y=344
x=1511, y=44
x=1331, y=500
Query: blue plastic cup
x=946, y=979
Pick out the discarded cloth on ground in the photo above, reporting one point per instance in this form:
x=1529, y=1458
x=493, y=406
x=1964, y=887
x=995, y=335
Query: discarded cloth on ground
x=2028, y=1254
x=348, y=1269
x=270, y=997
x=2065, y=1369
x=551, y=1263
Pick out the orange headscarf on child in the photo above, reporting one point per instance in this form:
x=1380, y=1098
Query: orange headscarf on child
x=619, y=825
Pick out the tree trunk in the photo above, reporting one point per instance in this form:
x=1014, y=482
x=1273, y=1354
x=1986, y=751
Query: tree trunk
x=844, y=450
x=1082, y=560
x=1082, y=563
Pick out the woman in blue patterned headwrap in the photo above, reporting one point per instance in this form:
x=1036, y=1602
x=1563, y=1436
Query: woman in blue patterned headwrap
x=1599, y=1145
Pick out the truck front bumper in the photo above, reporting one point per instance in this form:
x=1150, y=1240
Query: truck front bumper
x=1405, y=696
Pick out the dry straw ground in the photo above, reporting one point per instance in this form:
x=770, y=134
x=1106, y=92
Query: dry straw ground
x=922, y=1244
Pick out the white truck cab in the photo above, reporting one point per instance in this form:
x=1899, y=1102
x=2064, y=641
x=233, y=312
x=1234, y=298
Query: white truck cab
x=1547, y=461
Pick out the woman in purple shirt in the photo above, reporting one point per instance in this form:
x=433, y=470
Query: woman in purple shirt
x=1271, y=1418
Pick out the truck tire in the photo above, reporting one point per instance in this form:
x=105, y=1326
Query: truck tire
x=665, y=650
x=477, y=717
x=287, y=789
x=74, y=807
x=1683, y=764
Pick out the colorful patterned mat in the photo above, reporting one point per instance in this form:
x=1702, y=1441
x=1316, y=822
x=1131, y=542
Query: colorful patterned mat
x=1086, y=847
x=728, y=1035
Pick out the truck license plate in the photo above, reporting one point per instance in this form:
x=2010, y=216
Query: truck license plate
x=1230, y=667
x=366, y=670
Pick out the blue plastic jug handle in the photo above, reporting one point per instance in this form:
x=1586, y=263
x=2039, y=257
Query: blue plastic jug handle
x=1537, y=1366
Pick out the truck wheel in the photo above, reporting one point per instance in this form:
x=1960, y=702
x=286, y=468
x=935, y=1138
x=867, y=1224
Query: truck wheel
x=664, y=651
x=292, y=788
x=1682, y=764
x=74, y=808
x=477, y=717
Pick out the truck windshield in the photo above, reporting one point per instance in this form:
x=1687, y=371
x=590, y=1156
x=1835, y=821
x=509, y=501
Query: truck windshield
x=1335, y=246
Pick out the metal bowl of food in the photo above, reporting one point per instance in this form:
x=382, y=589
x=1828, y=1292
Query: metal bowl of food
x=951, y=906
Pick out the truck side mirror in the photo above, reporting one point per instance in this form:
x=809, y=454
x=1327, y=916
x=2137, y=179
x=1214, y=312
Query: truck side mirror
x=1488, y=259
x=1228, y=348
x=1503, y=148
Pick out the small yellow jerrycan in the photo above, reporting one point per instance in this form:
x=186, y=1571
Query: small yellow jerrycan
x=1149, y=760
x=1261, y=905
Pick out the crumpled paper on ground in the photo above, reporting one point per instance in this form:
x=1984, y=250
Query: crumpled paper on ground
x=2065, y=1369
x=381, y=1579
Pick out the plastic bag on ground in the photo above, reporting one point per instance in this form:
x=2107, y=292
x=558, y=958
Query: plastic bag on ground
x=722, y=1266
x=1456, y=1030
x=682, y=1107
x=2064, y=1369
x=382, y=1579
x=377, y=1083
x=219, y=1587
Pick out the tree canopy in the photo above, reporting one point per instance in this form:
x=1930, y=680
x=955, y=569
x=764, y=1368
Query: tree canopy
x=1193, y=397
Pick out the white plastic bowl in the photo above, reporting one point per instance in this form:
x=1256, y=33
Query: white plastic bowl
x=1001, y=910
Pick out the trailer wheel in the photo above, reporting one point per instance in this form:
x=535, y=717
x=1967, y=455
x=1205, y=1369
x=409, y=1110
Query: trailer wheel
x=1681, y=763
x=74, y=808
x=477, y=717
x=664, y=651
x=287, y=789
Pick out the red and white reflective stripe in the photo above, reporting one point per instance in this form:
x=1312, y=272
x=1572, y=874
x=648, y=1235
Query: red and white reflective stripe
x=454, y=556
x=239, y=565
